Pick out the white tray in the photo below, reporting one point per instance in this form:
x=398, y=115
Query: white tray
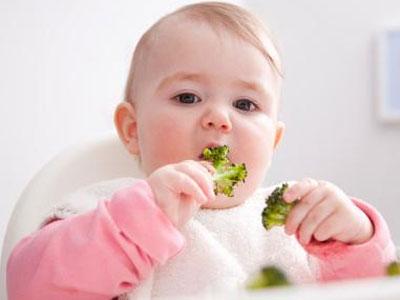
x=364, y=289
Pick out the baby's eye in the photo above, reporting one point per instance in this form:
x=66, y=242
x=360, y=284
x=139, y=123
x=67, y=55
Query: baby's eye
x=187, y=98
x=245, y=105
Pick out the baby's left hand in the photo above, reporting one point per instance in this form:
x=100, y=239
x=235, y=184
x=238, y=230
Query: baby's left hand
x=325, y=212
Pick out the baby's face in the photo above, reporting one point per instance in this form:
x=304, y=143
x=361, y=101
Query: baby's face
x=199, y=89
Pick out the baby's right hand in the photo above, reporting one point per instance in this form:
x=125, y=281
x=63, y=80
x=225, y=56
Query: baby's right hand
x=180, y=189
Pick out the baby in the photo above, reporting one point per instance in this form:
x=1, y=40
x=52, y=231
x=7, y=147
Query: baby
x=206, y=75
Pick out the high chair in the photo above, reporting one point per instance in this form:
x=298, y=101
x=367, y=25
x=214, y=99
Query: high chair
x=89, y=161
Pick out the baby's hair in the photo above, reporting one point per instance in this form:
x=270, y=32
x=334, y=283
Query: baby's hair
x=218, y=15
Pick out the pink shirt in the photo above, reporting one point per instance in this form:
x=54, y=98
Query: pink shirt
x=110, y=250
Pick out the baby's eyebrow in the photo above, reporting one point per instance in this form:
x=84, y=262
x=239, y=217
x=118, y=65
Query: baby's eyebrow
x=181, y=76
x=255, y=86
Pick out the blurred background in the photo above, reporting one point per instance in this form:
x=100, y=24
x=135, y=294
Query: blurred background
x=64, y=66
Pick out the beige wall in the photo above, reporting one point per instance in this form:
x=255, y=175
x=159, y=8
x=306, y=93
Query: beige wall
x=63, y=66
x=328, y=102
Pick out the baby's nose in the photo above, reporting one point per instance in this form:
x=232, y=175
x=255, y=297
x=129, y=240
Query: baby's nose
x=218, y=120
x=223, y=127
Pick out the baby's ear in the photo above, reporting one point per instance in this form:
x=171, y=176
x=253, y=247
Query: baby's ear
x=126, y=124
x=279, y=132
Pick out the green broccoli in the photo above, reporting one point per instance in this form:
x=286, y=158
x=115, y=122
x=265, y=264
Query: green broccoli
x=393, y=269
x=270, y=276
x=227, y=174
x=277, y=210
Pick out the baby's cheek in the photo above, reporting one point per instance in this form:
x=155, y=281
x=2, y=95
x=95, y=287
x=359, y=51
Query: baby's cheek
x=258, y=147
x=163, y=142
x=259, y=152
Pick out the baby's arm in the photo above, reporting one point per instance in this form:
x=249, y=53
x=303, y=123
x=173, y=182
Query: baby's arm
x=97, y=255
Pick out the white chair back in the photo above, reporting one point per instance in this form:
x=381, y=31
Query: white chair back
x=99, y=159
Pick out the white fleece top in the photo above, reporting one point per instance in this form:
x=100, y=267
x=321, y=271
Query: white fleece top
x=125, y=245
x=223, y=246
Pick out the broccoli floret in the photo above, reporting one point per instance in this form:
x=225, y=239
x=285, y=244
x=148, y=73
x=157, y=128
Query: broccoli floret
x=269, y=276
x=393, y=269
x=277, y=210
x=227, y=174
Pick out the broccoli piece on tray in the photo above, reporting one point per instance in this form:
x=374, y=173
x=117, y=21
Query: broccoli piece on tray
x=270, y=276
x=393, y=269
x=276, y=211
x=227, y=174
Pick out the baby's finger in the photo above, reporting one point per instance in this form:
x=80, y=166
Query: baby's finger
x=208, y=165
x=188, y=189
x=200, y=175
x=316, y=216
x=206, y=181
x=300, y=210
x=343, y=234
x=329, y=228
x=300, y=189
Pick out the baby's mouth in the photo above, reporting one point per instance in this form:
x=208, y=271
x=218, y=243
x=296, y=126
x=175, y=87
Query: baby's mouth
x=201, y=155
x=210, y=145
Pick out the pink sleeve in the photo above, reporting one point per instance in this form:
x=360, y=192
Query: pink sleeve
x=337, y=260
x=96, y=255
